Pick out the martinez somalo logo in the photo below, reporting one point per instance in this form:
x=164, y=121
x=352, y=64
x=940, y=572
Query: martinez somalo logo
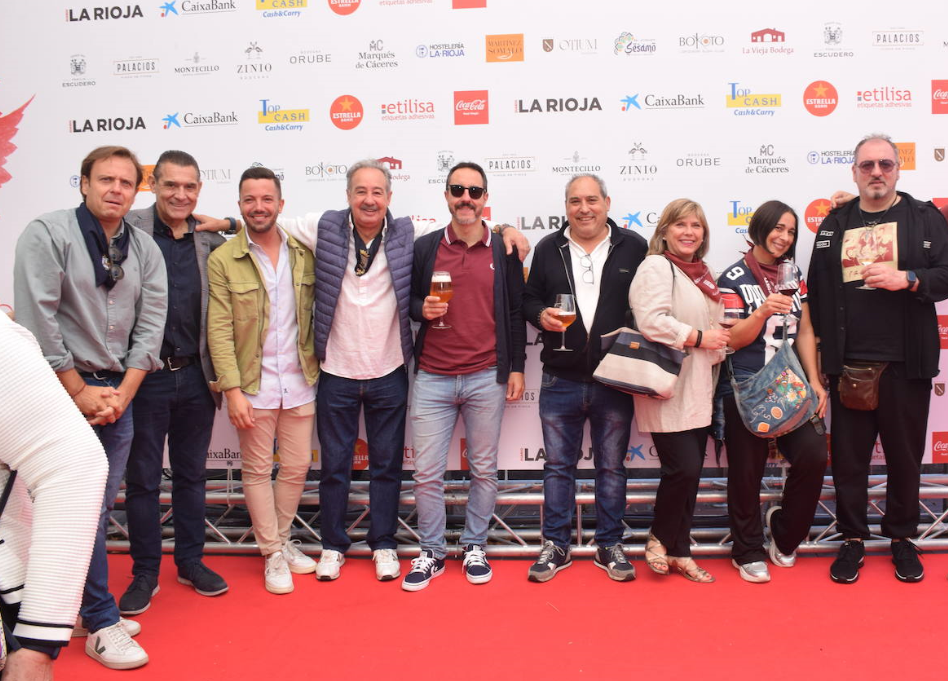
x=504, y=48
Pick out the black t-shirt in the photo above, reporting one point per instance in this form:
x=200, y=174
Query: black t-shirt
x=875, y=321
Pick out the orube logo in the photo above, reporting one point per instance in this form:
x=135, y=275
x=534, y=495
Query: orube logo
x=940, y=96
x=820, y=98
x=471, y=107
x=943, y=331
x=346, y=112
x=939, y=447
x=344, y=7
x=504, y=48
x=815, y=212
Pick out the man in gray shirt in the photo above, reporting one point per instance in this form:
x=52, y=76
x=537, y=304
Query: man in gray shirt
x=93, y=290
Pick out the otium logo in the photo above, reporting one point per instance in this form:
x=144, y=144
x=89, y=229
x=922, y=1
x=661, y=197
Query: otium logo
x=344, y=7
x=471, y=107
x=820, y=98
x=940, y=96
x=748, y=103
x=275, y=118
x=814, y=215
x=346, y=112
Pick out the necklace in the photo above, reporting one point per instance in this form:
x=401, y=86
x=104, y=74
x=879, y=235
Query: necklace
x=872, y=223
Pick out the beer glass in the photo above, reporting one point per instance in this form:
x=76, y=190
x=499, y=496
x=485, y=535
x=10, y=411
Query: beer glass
x=441, y=289
x=565, y=308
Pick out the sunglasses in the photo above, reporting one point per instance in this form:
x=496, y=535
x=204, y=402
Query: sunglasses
x=457, y=191
x=115, y=257
x=885, y=165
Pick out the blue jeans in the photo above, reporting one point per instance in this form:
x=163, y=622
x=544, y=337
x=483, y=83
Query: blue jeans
x=338, y=403
x=177, y=405
x=436, y=402
x=98, y=608
x=564, y=407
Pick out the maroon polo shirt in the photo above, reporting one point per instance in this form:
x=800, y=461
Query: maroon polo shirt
x=470, y=344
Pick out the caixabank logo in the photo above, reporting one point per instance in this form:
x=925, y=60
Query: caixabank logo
x=275, y=118
x=281, y=9
x=202, y=119
x=105, y=13
x=118, y=124
x=8, y=128
x=190, y=8
x=746, y=102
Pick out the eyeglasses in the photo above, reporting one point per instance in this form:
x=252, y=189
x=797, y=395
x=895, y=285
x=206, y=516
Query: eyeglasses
x=115, y=257
x=588, y=276
x=457, y=191
x=885, y=165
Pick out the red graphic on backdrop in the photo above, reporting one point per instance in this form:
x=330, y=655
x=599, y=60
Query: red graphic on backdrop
x=815, y=212
x=471, y=107
x=8, y=129
x=344, y=7
x=939, y=447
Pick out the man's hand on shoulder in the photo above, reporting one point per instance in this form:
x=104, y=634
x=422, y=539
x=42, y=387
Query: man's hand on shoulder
x=514, y=238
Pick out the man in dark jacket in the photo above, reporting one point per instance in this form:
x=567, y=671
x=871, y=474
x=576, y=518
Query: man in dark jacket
x=593, y=260
x=891, y=326
x=470, y=364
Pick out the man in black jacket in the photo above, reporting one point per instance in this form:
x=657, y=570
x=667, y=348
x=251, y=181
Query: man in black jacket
x=594, y=260
x=891, y=326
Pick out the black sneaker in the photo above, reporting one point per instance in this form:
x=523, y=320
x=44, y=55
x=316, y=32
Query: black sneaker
x=845, y=569
x=552, y=559
x=424, y=568
x=612, y=559
x=204, y=580
x=137, y=597
x=476, y=568
x=908, y=568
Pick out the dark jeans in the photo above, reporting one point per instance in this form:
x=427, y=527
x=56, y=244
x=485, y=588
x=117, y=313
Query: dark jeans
x=177, y=405
x=98, y=608
x=564, y=407
x=900, y=421
x=682, y=457
x=338, y=402
x=805, y=450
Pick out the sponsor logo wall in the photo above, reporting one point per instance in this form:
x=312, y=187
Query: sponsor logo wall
x=728, y=109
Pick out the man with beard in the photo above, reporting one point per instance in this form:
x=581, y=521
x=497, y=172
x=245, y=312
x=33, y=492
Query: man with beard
x=260, y=334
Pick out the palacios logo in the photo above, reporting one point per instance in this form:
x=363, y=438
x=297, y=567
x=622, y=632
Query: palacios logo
x=8, y=128
x=820, y=98
x=344, y=7
x=346, y=112
x=815, y=213
x=504, y=48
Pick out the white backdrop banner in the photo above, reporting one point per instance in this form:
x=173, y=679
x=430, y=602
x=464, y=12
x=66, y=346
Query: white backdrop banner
x=729, y=104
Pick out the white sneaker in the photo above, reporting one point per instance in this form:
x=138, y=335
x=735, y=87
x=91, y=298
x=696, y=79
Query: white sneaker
x=131, y=626
x=276, y=575
x=115, y=649
x=387, y=567
x=776, y=557
x=299, y=562
x=755, y=572
x=329, y=563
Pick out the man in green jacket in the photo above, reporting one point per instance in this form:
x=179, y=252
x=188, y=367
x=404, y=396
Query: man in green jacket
x=260, y=334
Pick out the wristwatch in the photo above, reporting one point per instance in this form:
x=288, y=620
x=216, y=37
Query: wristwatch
x=912, y=279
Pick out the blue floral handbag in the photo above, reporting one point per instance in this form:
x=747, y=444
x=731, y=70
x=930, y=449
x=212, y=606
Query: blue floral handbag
x=778, y=398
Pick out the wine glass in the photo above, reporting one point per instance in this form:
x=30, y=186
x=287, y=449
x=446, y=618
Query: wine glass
x=731, y=313
x=565, y=308
x=868, y=250
x=787, y=279
x=441, y=288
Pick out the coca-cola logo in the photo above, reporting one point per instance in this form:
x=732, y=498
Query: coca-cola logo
x=940, y=96
x=471, y=107
x=943, y=331
x=939, y=447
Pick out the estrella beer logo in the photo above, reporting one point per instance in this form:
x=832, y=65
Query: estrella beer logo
x=820, y=98
x=360, y=455
x=346, y=112
x=815, y=213
x=344, y=7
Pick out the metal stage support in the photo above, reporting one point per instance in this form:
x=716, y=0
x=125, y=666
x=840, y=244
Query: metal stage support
x=515, y=531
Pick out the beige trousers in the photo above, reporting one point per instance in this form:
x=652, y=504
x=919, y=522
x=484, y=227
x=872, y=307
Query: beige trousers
x=273, y=506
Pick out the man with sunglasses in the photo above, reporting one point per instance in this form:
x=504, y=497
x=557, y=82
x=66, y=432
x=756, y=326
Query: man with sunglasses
x=175, y=402
x=594, y=260
x=93, y=290
x=471, y=365
x=890, y=327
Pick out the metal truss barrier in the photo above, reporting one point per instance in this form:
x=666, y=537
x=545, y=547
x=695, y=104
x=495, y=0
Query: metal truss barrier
x=515, y=529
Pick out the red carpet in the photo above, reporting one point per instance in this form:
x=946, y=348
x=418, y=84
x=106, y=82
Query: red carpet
x=579, y=625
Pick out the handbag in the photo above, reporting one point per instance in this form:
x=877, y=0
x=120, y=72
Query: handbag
x=635, y=365
x=777, y=399
x=859, y=385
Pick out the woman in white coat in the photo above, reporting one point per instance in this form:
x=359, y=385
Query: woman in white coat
x=676, y=302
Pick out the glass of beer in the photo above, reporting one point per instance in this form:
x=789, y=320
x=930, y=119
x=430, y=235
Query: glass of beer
x=565, y=308
x=441, y=289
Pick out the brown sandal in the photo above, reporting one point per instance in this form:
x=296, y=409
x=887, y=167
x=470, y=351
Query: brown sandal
x=655, y=556
x=690, y=570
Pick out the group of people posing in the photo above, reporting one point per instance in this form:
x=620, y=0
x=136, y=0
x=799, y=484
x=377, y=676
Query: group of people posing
x=300, y=320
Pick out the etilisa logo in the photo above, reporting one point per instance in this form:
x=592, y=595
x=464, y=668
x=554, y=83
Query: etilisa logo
x=504, y=48
x=254, y=65
x=136, y=67
x=191, y=119
x=440, y=50
x=197, y=64
x=471, y=107
x=107, y=124
x=940, y=96
x=700, y=43
x=275, y=118
x=325, y=170
x=408, y=109
x=78, y=72
x=189, y=8
x=109, y=12
x=377, y=56
x=898, y=39
x=833, y=42
x=739, y=215
x=575, y=165
x=768, y=41
x=551, y=105
x=939, y=447
x=627, y=43
x=281, y=9
x=637, y=167
x=662, y=102
x=885, y=97
x=746, y=102
x=585, y=46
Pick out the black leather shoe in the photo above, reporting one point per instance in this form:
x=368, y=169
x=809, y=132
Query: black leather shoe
x=204, y=580
x=137, y=597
